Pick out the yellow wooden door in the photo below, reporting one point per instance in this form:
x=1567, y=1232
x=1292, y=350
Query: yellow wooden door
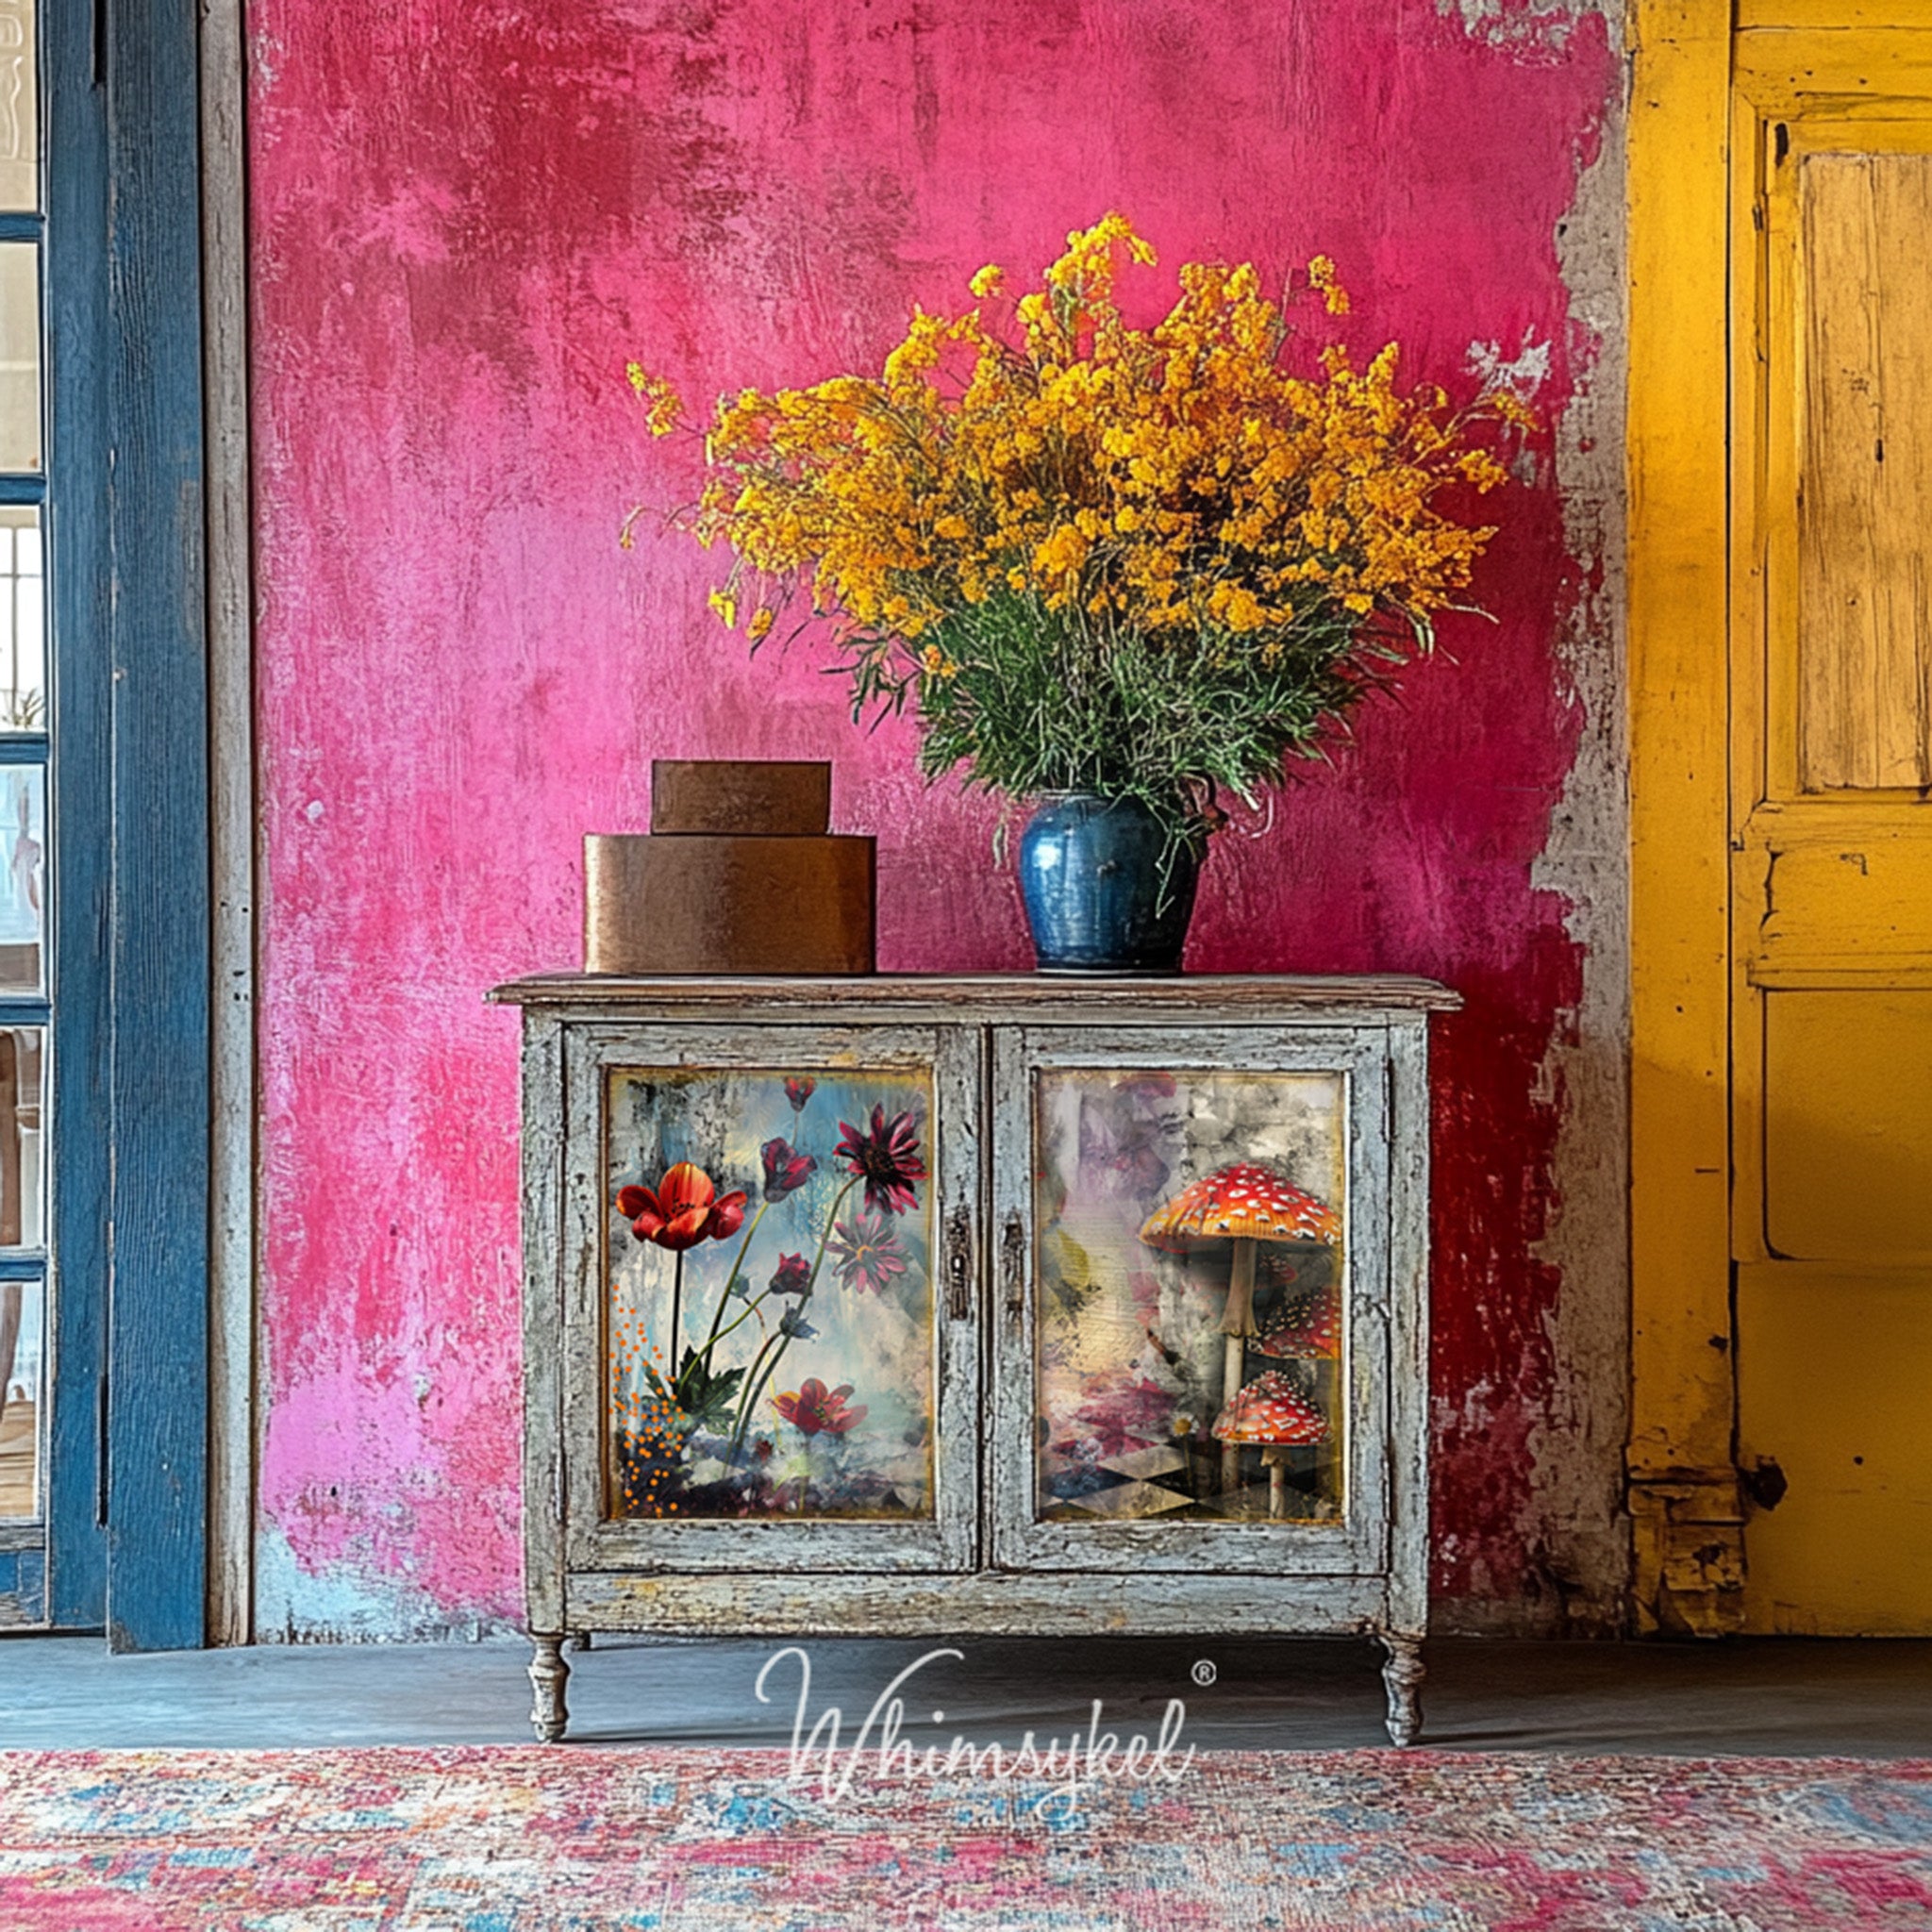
x=1831, y=816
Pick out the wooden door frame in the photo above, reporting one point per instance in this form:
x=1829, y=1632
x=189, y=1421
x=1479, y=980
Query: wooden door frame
x=1684, y=1491
x=130, y=947
x=233, y=821
x=155, y=1487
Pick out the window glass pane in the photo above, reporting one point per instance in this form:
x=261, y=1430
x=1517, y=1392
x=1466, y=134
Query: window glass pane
x=21, y=1354
x=772, y=1360
x=22, y=877
x=20, y=186
x=1191, y=1320
x=23, y=623
x=20, y=355
x=20, y=1060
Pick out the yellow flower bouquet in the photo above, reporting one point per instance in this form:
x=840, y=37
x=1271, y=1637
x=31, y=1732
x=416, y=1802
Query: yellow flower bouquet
x=1142, y=564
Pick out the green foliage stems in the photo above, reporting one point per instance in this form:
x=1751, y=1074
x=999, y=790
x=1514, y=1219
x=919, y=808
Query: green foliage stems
x=1042, y=701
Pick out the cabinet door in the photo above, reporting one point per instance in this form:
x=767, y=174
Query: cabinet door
x=1153, y=1191
x=771, y=1297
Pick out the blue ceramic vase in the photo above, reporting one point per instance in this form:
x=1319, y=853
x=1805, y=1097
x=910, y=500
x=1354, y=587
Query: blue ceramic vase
x=1107, y=888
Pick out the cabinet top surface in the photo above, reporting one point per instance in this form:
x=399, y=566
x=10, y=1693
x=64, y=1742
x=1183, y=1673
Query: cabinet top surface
x=1265, y=996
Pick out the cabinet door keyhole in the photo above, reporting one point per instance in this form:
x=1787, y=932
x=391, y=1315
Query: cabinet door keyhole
x=959, y=1266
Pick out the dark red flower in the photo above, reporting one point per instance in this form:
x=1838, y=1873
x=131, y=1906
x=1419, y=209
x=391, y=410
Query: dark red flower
x=867, y=1253
x=786, y=1168
x=815, y=1408
x=1123, y=1412
x=684, y=1209
x=793, y=1275
x=887, y=1157
x=799, y=1091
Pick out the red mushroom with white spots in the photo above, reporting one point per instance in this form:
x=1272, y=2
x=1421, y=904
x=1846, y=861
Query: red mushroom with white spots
x=1309, y=1328
x=1272, y=1414
x=1245, y=1204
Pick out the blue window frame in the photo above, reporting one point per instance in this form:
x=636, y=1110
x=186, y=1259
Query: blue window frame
x=125, y=1003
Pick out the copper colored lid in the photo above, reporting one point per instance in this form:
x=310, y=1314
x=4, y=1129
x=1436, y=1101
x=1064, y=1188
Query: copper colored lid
x=775, y=797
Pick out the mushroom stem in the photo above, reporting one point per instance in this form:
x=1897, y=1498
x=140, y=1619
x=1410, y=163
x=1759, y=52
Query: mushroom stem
x=1238, y=1316
x=1274, y=1460
x=1233, y=1362
x=1237, y=1323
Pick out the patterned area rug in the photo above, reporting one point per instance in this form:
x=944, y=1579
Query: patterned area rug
x=512, y=1839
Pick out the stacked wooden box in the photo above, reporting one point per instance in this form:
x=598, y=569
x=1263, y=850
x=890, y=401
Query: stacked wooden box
x=739, y=873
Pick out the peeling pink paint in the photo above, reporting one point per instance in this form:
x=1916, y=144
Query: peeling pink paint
x=466, y=220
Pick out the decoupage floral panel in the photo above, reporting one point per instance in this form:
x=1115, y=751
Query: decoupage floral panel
x=1190, y=1316
x=769, y=1339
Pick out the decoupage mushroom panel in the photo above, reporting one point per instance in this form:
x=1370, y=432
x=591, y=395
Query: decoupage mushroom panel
x=1189, y=1323
x=769, y=1333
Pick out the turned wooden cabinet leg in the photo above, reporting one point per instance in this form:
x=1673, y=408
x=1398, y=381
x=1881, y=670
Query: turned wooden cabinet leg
x=548, y=1676
x=1402, y=1677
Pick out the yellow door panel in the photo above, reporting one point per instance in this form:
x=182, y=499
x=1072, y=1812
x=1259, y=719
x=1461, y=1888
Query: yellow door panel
x=1858, y=896
x=1830, y=677
x=1865, y=493
x=1848, y=1126
x=1834, y=1370
x=1788, y=74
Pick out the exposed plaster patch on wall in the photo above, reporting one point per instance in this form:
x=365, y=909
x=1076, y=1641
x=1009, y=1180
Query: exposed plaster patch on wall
x=294, y=1604
x=1533, y=26
x=1523, y=375
x=1575, y=1523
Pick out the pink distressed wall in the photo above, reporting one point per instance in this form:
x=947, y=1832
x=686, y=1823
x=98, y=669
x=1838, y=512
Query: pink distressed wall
x=465, y=218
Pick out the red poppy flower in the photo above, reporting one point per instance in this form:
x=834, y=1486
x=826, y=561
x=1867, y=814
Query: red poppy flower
x=684, y=1209
x=887, y=1157
x=815, y=1410
x=799, y=1091
x=786, y=1168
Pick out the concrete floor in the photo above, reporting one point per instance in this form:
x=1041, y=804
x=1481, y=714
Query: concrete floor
x=1800, y=1698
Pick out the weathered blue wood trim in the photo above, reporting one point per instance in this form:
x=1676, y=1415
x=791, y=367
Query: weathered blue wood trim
x=22, y=1586
x=159, y=1302
x=18, y=487
x=78, y=584
x=23, y=1012
x=21, y=226
x=23, y=1264
x=23, y=748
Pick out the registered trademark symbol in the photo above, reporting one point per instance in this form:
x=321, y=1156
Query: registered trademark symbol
x=1203, y=1672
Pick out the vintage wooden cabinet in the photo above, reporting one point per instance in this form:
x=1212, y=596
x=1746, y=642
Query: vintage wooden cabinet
x=1001, y=1305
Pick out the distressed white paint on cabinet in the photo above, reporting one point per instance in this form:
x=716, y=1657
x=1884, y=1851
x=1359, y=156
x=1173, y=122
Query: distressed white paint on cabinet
x=985, y=1563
